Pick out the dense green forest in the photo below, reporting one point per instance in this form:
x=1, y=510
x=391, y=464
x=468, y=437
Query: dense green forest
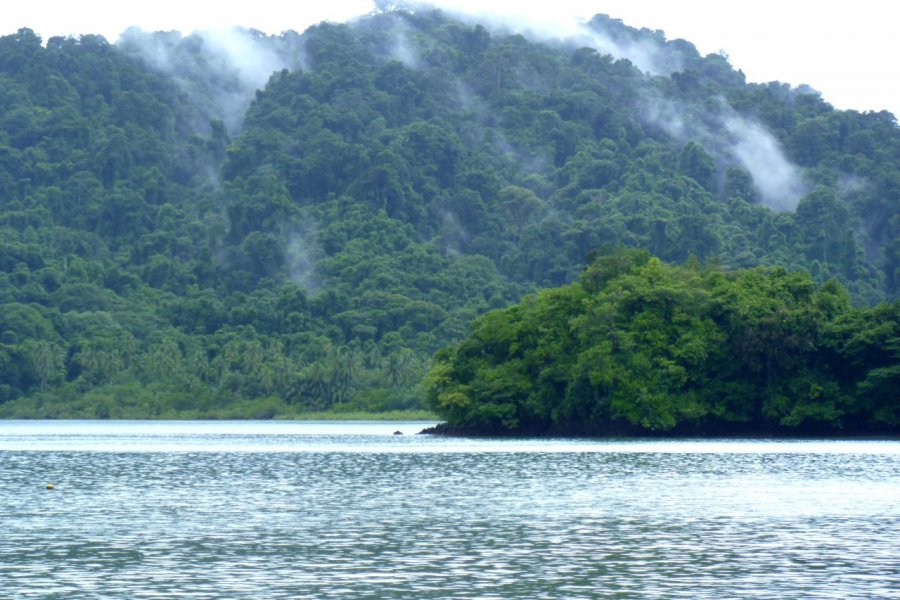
x=259, y=226
x=637, y=346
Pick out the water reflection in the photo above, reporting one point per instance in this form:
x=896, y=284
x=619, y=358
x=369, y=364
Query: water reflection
x=363, y=514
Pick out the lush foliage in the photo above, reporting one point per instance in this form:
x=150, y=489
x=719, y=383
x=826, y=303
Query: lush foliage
x=637, y=346
x=175, y=242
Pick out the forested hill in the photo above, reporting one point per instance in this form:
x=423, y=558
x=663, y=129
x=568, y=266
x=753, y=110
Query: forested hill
x=176, y=242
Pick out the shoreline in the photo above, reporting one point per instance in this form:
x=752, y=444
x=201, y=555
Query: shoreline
x=392, y=415
x=444, y=429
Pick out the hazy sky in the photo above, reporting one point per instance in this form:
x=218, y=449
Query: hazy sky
x=846, y=49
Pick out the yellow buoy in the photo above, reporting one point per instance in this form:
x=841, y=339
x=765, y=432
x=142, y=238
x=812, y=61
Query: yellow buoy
x=49, y=486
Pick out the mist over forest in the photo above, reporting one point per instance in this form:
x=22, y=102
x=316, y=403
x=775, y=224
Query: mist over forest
x=235, y=224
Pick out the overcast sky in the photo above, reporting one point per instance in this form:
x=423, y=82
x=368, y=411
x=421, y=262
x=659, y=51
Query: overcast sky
x=848, y=50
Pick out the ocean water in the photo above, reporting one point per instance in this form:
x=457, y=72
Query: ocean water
x=350, y=510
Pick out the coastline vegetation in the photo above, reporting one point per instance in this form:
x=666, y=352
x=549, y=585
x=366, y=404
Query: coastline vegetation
x=639, y=347
x=134, y=401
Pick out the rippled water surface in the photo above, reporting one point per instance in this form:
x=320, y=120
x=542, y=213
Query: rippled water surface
x=348, y=510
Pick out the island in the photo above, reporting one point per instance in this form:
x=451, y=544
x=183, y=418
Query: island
x=638, y=347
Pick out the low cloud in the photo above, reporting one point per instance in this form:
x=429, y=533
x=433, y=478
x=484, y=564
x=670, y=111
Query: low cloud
x=401, y=49
x=780, y=183
x=734, y=139
x=302, y=255
x=220, y=69
x=646, y=50
x=245, y=54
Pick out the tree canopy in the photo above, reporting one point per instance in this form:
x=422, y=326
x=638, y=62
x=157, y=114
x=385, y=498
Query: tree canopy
x=636, y=346
x=189, y=230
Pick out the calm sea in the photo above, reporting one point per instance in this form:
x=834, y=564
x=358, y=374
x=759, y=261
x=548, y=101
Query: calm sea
x=349, y=510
